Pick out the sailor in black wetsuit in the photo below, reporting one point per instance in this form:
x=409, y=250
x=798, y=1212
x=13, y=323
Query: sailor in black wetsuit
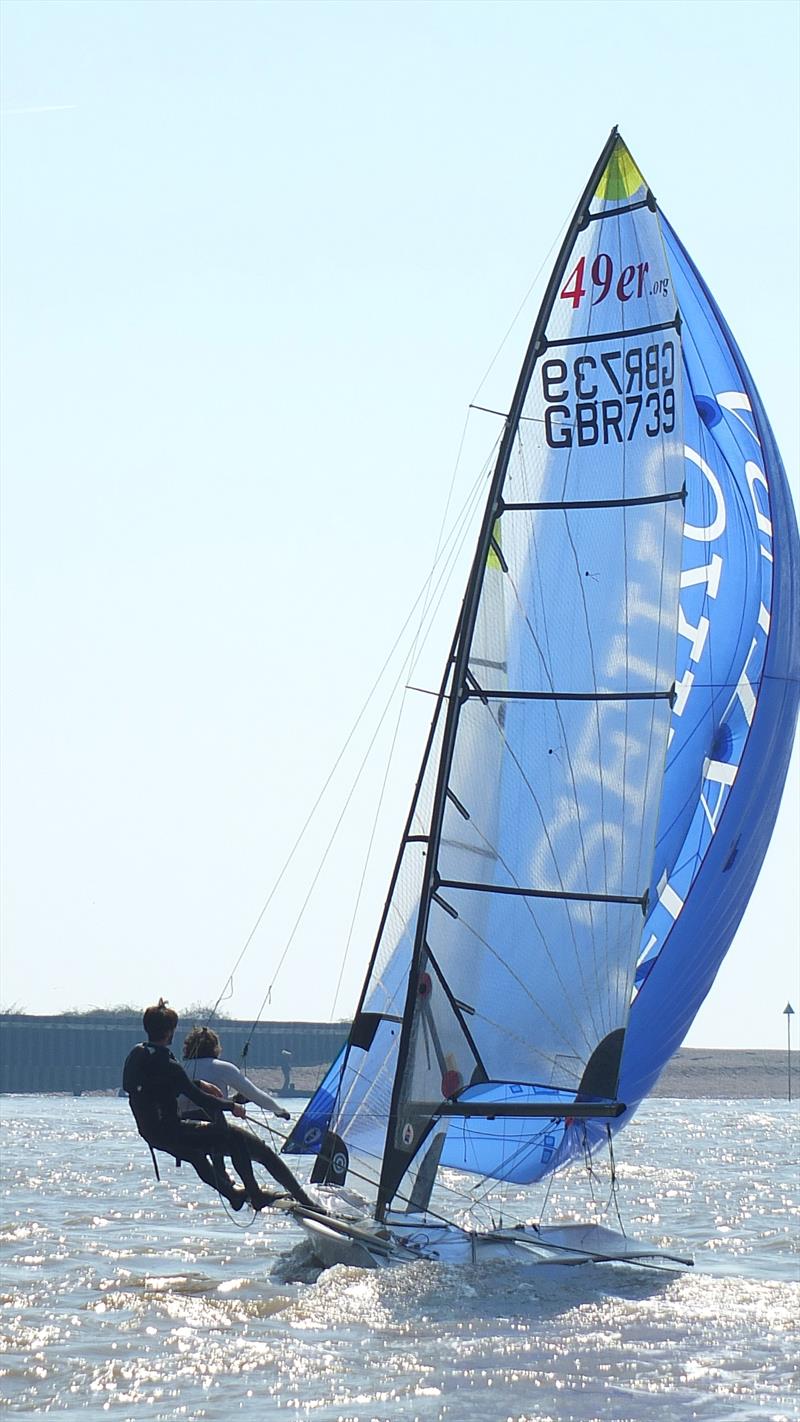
x=154, y=1080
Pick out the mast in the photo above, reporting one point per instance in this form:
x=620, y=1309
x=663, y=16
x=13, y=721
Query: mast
x=465, y=633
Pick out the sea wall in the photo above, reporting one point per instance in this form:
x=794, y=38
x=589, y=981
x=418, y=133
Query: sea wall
x=86, y=1054
x=76, y=1054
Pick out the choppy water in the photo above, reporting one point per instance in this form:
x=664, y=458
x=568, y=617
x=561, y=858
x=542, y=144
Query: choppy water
x=127, y=1299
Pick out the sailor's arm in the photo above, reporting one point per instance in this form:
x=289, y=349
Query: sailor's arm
x=237, y=1081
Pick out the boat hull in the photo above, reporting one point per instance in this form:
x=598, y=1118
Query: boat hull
x=364, y=1244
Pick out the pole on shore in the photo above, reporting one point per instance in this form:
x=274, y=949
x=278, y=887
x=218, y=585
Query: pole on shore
x=788, y=1013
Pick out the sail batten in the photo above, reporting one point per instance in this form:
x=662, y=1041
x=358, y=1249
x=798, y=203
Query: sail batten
x=485, y=693
x=534, y=1110
x=587, y=338
x=649, y=201
x=528, y=893
x=596, y=503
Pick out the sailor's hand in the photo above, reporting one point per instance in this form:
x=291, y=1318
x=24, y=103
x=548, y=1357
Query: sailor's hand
x=238, y=1110
x=210, y=1088
x=284, y=1116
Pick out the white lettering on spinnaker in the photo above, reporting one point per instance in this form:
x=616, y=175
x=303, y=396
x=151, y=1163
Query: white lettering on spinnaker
x=682, y=690
x=644, y=955
x=756, y=476
x=744, y=690
x=718, y=775
x=736, y=400
x=709, y=574
x=697, y=635
x=610, y=771
x=708, y=532
x=671, y=901
x=723, y=774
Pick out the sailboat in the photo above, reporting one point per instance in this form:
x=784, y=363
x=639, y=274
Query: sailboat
x=603, y=769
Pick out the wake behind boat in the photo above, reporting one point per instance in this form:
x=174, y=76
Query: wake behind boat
x=603, y=770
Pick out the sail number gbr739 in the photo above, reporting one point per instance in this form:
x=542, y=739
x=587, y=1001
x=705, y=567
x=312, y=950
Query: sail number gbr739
x=606, y=398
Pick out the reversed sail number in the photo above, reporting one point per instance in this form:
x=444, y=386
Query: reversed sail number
x=605, y=398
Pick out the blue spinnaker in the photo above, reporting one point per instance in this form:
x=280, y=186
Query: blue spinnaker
x=748, y=733
x=308, y=1132
x=602, y=781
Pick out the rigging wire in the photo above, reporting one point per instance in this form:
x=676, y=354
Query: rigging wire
x=463, y=1196
x=228, y=984
x=550, y=1183
x=329, y=846
x=545, y=263
x=488, y=1183
x=392, y=747
x=614, y=1183
x=411, y=662
x=457, y=532
x=348, y=798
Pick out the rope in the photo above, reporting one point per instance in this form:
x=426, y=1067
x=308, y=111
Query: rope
x=463, y=1196
x=411, y=662
x=523, y=303
x=614, y=1186
x=455, y=540
x=463, y=519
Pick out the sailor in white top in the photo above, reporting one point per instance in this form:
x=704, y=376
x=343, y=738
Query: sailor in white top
x=201, y=1060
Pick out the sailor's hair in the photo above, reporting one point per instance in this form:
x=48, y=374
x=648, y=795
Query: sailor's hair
x=200, y=1042
x=160, y=1020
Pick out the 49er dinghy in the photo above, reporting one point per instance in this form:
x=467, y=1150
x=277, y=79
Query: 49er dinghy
x=603, y=769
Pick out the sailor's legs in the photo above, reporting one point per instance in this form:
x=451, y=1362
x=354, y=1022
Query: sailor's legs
x=213, y=1173
x=277, y=1168
x=198, y=1139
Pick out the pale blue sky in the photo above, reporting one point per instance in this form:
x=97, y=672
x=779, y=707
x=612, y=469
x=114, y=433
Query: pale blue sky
x=257, y=259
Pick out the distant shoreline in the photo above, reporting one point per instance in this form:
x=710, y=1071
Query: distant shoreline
x=84, y=1054
x=720, y=1074
x=694, y=1073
